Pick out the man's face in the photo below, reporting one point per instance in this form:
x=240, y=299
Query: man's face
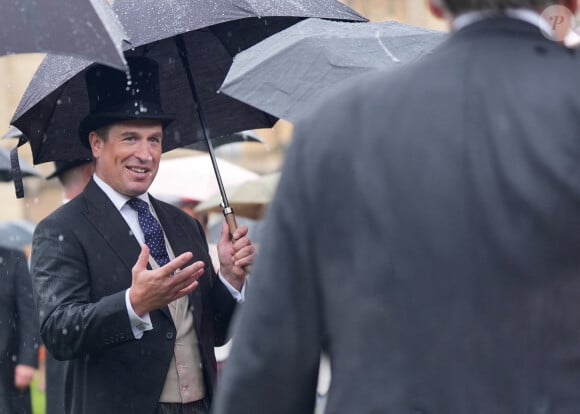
x=129, y=158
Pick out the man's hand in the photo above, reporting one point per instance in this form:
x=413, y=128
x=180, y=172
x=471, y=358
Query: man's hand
x=154, y=289
x=235, y=254
x=23, y=375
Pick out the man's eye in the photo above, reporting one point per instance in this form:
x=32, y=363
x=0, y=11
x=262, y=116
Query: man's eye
x=155, y=140
x=129, y=138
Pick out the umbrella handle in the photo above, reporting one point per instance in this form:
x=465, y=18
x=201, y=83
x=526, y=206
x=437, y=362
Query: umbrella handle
x=231, y=220
x=232, y=225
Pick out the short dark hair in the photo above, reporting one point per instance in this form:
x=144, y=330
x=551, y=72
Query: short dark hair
x=456, y=7
x=103, y=132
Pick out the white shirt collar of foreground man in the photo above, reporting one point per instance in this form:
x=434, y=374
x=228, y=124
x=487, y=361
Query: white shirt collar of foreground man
x=527, y=15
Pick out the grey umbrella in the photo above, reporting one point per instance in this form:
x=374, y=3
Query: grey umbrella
x=86, y=28
x=16, y=234
x=6, y=167
x=194, y=42
x=286, y=73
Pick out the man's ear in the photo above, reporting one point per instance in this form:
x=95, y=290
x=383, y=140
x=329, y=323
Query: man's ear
x=437, y=9
x=96, y=143
x=572, y=5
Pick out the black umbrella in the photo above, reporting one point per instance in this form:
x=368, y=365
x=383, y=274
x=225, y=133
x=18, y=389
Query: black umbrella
x=194, y=42
x=86, y=28
x=287, y=72
x=6, y=172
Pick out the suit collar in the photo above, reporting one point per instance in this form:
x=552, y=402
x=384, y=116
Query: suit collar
x=500, y=26
x=107, y=220
x=525, y=15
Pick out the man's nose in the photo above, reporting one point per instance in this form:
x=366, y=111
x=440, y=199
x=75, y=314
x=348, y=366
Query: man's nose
x=143, y=151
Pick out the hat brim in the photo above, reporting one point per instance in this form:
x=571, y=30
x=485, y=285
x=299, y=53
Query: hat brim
x=93, y=122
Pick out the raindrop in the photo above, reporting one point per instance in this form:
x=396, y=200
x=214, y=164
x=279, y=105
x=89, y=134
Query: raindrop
x=36, y=200
x=130, y=233
x=14, y=358
x=77, y=328
x=142, y=108
x=1, y=260
x=64, y=331
x=60, y=237
x=59, y=101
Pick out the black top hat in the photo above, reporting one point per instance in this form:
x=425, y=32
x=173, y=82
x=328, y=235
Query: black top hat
x=63, y=166
x=113, y=97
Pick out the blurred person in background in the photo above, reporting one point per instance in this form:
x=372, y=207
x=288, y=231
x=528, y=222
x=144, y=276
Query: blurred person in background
x=19, y=339
x=436, y=258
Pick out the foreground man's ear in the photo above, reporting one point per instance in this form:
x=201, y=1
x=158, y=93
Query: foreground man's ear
x=571, y=4
x=437, y=9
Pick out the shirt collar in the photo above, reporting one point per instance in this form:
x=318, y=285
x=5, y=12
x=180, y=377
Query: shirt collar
x=526, y=15
x=118, y=199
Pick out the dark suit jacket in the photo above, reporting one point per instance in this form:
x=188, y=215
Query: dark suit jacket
x=18, y=329
x=426, y=234
x=82, y=257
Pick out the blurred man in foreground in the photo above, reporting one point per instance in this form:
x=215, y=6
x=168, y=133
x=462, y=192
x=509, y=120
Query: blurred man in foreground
x=436, y=257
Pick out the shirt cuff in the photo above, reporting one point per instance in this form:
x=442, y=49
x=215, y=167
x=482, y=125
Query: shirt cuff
x=138, y=324
x=236, y=294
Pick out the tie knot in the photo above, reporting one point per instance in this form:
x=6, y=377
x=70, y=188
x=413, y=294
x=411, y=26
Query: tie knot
x=139, y=205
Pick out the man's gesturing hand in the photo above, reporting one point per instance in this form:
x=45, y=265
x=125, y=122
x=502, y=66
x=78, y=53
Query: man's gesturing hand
x=154, y=289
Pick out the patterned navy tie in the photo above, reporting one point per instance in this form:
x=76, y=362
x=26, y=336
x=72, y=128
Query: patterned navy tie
x=152, y=230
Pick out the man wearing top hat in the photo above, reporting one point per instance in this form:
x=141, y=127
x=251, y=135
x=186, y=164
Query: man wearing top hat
x=124, y=283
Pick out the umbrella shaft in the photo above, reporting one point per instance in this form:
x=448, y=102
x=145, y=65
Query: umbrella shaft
x=185, y=60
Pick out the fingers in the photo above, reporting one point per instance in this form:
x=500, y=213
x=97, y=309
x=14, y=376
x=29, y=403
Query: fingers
x=185, y=281
x=244, y=256
x=175, y=264
x=240, y=232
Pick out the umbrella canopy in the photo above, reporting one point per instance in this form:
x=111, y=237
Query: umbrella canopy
x=287, y=72
x=6, y=167
x=16, y=234
x=248, y=199
x=56, y=100
x=193, y=178
x=87, y=29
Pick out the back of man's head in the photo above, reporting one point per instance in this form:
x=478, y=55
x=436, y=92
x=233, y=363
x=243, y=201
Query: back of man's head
x=455, y=7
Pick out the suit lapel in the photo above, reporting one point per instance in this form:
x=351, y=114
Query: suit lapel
x=107, y=220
